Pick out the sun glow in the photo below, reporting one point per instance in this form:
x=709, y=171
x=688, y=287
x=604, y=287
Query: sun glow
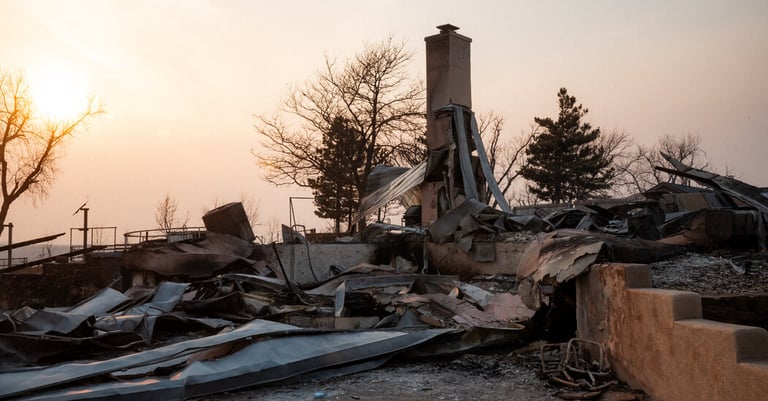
x=58, y=92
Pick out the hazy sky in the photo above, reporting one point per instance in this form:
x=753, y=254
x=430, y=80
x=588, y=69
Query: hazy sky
x=181, y=81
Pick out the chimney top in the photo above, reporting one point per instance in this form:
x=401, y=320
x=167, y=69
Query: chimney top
x=447, y=28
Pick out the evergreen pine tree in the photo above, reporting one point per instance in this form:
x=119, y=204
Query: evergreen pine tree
x=565, y=162
x=336, y=189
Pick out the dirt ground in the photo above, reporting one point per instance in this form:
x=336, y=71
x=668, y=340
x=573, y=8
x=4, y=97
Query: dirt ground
x=479, y=377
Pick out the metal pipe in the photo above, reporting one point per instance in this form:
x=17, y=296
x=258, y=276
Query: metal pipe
x=85, y=227
x=10, y=244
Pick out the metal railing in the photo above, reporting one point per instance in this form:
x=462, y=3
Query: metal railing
x=175, y=234
x=97, y=237
x=13, y=262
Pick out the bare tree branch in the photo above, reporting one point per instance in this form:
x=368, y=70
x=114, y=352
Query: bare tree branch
x=372, y=90
x=637, y=163
x=29, y=146
x=504, y=156
x=166, y=214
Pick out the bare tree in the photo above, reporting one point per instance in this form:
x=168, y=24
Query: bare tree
x=251, y=206
x=619, y=148
x=46, y=250
x=686, y=148
x=30, y=145
x=97, y=236
x=640, y=172
x=372, y=90
x=166, y=214
x=273, y=230
x=523, y=197
x=504, y=156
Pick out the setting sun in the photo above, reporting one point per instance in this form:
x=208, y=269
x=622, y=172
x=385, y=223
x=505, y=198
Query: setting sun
x=57, y=92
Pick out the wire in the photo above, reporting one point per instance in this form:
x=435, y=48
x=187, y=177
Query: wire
x=309, y=258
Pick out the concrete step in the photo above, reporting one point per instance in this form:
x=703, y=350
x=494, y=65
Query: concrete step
x=731, y=343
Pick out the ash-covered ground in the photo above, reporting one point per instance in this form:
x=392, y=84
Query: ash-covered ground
x=489, y=375
x=717, y=273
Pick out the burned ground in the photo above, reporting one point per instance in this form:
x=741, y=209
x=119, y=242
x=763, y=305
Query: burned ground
x=478, y=377
x=714, y=273
x=489, y=375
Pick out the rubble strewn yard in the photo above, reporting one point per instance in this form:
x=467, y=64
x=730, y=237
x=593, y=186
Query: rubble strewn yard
x=715, y=273
x=474, y=303
x=471, y=376
x=487, y=376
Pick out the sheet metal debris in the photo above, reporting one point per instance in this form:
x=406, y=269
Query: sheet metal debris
x=124, y=334
x=562, y=255
x=108, y=320
x=259, y=352
x=230, y=318
x=750, y=195
x=227, y=315
x=404, y=186
x=192, y=258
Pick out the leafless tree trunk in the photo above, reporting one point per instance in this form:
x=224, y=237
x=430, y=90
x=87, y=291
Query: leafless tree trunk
x=372, y=90
x=273, y=230
x=639, y=172
x=29, y=145
x=251, y=206
x=46, y=250
x=504, y=156
x=166, y=214
x=619, y=148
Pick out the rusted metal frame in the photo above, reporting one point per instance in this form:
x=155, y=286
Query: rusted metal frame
x=573, y=351
x=546, y=364
x=568, y=361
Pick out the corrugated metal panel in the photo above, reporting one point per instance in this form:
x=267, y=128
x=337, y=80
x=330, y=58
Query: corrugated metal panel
x=405, y=186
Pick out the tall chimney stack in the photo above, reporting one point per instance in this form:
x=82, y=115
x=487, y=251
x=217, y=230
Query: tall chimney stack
x=448, y=73
x=448, y=82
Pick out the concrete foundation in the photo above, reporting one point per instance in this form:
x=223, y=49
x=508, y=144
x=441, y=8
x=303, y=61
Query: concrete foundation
x=448, y=258
x=299, y=266
x=658, y=342
x=57, y=284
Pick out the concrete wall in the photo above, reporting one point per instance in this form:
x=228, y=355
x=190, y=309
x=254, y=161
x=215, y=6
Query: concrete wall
x=57, y=284
x=321, y=256
x=658, y=342
x=448, y=258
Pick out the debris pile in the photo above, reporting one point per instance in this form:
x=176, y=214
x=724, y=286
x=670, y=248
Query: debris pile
x=228, y=313
x=212, y=311
x=252, y=329
x=581, y=366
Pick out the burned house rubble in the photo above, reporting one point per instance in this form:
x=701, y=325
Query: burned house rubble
x=215, y=311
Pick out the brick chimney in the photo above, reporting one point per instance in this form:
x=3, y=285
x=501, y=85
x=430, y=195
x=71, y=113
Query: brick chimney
x=448, y=82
